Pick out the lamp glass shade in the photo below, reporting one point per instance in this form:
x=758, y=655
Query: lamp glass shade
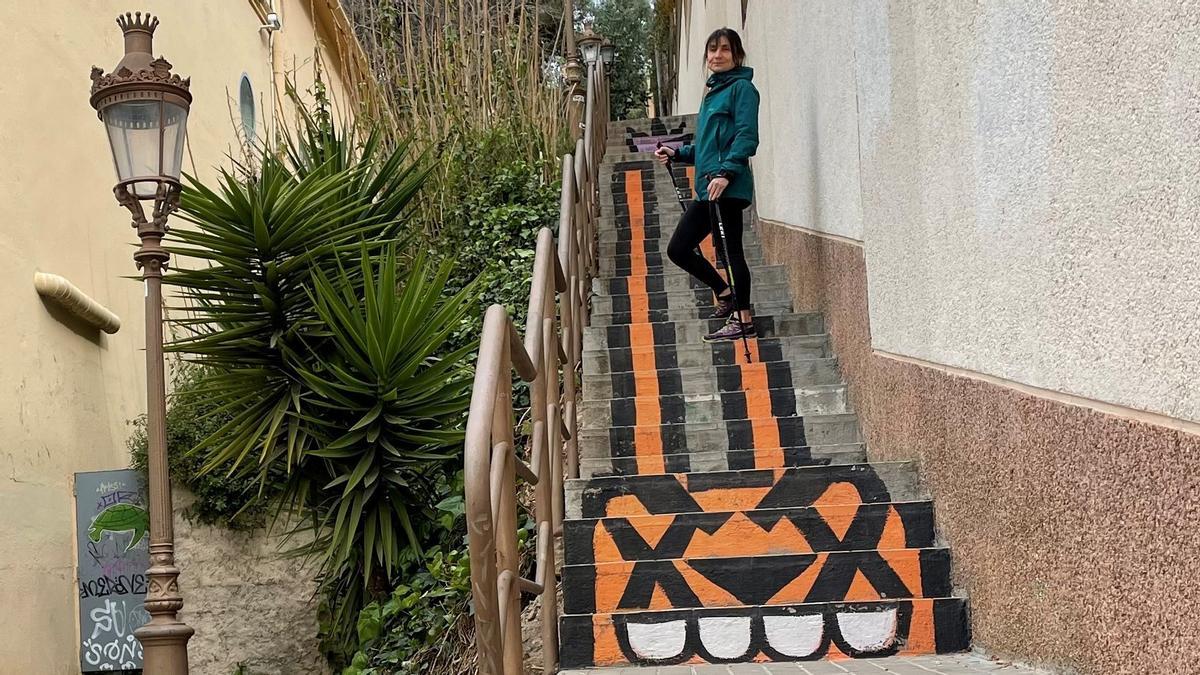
x=146, y=137
x=589, y=49
x=608, y=54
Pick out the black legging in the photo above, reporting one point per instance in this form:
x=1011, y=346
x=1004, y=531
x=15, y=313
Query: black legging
x=694, y=226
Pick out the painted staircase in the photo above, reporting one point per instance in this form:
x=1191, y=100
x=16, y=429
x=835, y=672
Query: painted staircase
x=727, y=510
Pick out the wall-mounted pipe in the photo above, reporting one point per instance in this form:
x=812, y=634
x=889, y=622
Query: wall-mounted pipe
x=75, y=301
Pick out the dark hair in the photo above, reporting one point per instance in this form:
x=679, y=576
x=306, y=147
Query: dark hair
x=735, y=43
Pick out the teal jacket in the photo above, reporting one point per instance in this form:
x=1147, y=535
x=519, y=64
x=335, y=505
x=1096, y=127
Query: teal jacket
x=726, y=134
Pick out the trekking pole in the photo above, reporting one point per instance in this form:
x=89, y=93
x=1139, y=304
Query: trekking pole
x=729, y=274
x=679, y=192
x=674, y=185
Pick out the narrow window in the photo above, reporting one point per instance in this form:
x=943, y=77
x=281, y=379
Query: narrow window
x=246, y=104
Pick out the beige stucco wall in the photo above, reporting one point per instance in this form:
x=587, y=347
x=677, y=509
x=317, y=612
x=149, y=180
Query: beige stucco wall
x=68, y=392
x=1020, y=174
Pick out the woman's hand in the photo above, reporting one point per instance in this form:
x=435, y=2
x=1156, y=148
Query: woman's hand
x=716, y=187
x=663, y=153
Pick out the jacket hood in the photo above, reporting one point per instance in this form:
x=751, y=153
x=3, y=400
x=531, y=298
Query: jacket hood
x=738, y=73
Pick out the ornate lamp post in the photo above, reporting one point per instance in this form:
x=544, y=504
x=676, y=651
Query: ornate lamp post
x=573, y=72
x=589, y=46
x=608, y=53
x=144, y=108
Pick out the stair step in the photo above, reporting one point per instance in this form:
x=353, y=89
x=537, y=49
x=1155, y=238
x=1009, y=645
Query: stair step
x=692, y=331
x=617, y=127
x=648, y=444
x=715, y=407
x=742, y=490
x=695, y=298
x=792, y=349
x=652, y=316
x=731, y=460
x=658, y=263
x=672, y=384
x=660, y=232
x=656, y=248
x=702, y=534
x=799, y=632
x=672, y=279
x=749, y=580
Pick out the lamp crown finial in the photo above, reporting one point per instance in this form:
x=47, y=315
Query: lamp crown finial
x=132, y=21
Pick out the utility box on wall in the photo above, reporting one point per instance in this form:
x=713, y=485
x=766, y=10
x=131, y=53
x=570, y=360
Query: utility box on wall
x=112, y=531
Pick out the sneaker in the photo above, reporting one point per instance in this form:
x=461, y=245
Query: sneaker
x=724, y=308
x=734, y=330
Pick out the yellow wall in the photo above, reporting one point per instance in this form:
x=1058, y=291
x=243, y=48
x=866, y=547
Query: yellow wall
x=67, y=391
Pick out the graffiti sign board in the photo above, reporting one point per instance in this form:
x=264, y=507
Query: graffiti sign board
x=112, y=528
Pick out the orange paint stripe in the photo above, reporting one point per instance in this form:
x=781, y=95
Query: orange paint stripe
x=606, y=649
x=637, y=223
x=740, y=352
x=648, y=450
x=639, y=300
x=758, y=400
x=920, y=630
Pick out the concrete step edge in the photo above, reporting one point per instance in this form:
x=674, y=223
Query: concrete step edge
x=840, y=386
x=769, y=555
x=813, y=509
x=717, y=425
x=907, y=465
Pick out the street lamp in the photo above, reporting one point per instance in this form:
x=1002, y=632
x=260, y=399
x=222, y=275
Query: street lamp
x=589, y=45
x=608, y=53
x=144, y=108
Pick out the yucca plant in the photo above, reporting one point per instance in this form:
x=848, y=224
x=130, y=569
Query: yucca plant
x=325, y=348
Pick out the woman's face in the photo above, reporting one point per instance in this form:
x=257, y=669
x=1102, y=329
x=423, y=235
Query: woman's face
x=720, y=56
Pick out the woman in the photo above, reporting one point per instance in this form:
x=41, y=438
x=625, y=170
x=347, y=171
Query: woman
x=726, y=137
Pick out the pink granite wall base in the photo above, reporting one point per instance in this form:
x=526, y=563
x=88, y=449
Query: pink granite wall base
x=1075, y=534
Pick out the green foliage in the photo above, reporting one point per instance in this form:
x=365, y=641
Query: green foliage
x=628, y=24
x=230, y=501
x=326, y=349
x=426, y=626
x=501, y=202
x=410, y=631
x=491, y=234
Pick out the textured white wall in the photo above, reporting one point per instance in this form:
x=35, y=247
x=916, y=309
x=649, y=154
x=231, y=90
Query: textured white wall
x=1022, y=174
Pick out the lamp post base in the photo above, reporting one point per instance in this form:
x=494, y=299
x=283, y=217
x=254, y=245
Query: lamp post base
x=164, y=648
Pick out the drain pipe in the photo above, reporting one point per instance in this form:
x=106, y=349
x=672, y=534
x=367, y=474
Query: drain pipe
x=273, y=23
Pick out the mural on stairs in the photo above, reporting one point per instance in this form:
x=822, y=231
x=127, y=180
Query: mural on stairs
x=640, y=141
x=774, y=554
x=766, y=561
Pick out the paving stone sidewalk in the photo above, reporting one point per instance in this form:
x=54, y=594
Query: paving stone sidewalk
x=946, y=664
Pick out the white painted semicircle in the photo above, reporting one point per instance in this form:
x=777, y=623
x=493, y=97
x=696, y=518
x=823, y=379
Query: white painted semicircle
x=795, y=636
x=725, y=637
x=868, y=631
x=657, y=641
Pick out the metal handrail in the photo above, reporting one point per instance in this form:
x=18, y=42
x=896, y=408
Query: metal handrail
x=558, y=312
